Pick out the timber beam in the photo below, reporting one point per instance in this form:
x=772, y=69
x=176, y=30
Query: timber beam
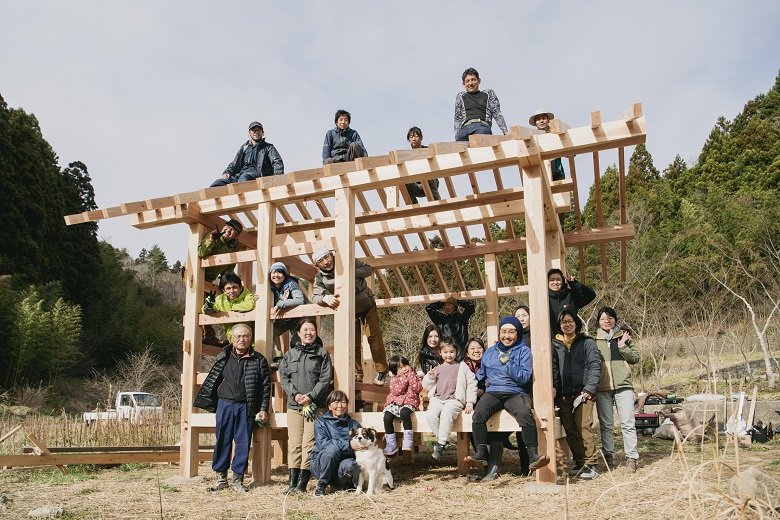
x=581, y=237
x=405, y=166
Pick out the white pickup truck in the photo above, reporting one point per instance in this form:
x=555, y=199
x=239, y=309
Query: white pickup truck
x=136, y=407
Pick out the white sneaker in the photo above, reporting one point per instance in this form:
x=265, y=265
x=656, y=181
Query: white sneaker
x=380, y=378
x=588, y=473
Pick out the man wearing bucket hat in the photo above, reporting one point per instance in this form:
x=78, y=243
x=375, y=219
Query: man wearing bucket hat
x=219, y=241
x=541, y=120
x=365, y=310
x=256, y=158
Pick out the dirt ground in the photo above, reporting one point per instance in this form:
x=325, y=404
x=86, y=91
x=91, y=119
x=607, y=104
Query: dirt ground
x=668, y=484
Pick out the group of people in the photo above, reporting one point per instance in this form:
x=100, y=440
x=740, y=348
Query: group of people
x=453, y=370
x=475, y=111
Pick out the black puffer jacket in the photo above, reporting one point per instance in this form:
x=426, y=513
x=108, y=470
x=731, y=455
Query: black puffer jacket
x=306, y=369
x=573, y=294
x=257, y=378
x=428, y=359
x=577, y=369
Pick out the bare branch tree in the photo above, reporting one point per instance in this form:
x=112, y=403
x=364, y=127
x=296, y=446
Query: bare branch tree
x=746, y=284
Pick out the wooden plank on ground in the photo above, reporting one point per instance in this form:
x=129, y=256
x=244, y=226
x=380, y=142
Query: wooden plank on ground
x=10, y=432
x=45, y=452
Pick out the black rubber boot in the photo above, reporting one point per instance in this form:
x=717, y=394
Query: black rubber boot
x=322, y=486
x=294, y=474
x=530, y=439
x=494, y=460
x=221, y=482
x=303, y=480
x=238, y=483
x=523, y=454
x=480, y=457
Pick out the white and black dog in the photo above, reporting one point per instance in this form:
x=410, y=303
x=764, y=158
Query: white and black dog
x=373, y=464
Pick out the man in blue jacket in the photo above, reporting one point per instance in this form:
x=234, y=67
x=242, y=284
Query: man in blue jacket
x=342, y=143
x=256, y=158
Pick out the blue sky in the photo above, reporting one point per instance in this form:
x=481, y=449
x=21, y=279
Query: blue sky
x=155, y=97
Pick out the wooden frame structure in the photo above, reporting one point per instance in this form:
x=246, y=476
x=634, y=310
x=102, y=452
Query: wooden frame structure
x=287, y=217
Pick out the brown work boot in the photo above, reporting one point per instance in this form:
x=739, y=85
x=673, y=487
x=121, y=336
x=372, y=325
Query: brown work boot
x=631, y=465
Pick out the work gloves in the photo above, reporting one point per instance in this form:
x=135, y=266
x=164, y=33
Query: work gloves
x=216, y=234
x=308, y=412
x=208, y=305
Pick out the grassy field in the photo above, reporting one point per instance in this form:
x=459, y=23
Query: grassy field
x=670, y=483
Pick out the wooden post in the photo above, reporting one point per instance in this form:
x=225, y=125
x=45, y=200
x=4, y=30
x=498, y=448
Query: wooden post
x=266, y=230
x=191, y=345
x=491, y=297
x=366, y=359
x=541, y=251
x=344, y=318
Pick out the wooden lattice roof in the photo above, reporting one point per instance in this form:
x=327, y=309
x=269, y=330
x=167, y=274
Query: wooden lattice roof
x=390, y=232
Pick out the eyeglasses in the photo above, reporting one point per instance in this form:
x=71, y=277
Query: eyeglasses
x=568, y=322
x=339, y=403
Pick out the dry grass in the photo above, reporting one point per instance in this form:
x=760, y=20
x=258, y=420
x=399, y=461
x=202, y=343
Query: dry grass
x=670, y=483
x=67, y=430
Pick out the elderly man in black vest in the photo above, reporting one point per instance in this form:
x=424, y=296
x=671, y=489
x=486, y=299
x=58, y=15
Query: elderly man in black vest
x=238, y=389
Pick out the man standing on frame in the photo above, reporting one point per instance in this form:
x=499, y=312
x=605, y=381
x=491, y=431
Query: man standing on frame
x=475, y=109
x=452, y=322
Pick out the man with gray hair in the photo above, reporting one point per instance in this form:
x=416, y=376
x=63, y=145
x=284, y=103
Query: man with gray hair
x=238, y=389
x=365, y=310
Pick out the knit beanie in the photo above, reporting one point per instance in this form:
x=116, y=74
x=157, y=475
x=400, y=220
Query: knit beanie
x=278, y=266
x=320, y=253
x=511, y=320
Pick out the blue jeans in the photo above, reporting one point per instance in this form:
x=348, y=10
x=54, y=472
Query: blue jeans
x=329, y=465
x=233, y=425
x=243, y=176
x=472, y=128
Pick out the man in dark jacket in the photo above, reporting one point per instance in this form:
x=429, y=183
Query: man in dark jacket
x=342, y=143
x=565, y=293
x=256, y=158
x=452, y=322
x=238, y=389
